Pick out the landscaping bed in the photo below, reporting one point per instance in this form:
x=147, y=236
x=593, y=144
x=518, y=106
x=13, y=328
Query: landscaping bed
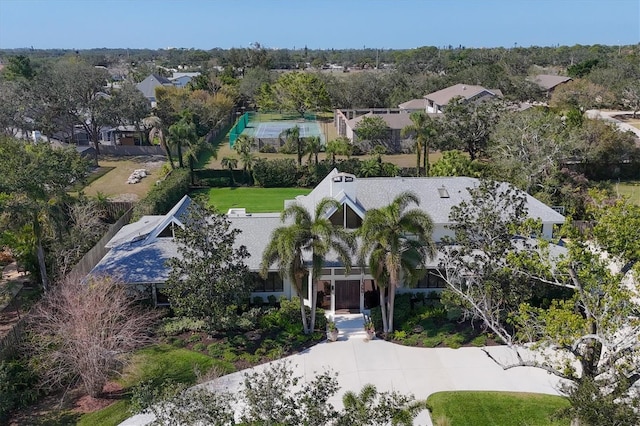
x=423, y=322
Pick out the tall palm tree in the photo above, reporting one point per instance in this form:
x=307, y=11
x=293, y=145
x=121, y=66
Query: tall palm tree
x=292, y=136
x=313, y=147
x=183, y=132
x=315, y=234
x=396, y=242
x=158, y=130
x=229, y=163
x=423, y=129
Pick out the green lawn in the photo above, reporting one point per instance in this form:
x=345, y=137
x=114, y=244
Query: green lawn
x=157, y=363
x=629, y=189
x=255, y=200
x=496, y=408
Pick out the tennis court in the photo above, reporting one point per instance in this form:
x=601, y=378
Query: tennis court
x=274, y=129
x=268, y=128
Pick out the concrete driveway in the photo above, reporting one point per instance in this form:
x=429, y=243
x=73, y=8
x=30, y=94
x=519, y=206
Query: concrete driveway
x=417, y=371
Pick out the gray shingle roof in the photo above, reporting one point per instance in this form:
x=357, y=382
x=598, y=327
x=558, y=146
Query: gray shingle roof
x=138, y=256
x=373, y=193
x=548, y=82
x=467, y=91
x=414, y=104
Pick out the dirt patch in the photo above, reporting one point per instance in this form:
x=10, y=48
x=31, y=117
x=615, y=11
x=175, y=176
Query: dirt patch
x=111, y=392
x=114, y=183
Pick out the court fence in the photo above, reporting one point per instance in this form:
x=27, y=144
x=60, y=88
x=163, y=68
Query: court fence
x=251, y=119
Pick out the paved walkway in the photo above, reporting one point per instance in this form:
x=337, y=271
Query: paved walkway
x=388, y=366
x=609, y=116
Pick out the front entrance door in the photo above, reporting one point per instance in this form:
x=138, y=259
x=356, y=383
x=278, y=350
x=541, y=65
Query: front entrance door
x=348, y=295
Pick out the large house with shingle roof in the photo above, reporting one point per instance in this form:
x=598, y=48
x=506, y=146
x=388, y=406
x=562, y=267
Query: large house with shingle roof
x=437, y=101
x=138, y=252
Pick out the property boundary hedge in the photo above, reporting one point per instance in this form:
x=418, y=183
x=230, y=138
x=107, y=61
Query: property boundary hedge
x=162, y=197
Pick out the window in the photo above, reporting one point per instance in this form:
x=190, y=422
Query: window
x=273, y=283
x=167, y=232
x=346, y=217
x=431, y=280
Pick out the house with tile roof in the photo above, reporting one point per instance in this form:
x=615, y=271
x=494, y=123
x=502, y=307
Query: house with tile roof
x=437, y=101
x=138, y=252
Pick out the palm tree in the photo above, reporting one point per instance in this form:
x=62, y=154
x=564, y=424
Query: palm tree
x=423, y=128
x=183, y=132
x=292, y=136
x=307, y=233
x=157, y=130
x=313, y=147
x=396, y=242
x=229, y=163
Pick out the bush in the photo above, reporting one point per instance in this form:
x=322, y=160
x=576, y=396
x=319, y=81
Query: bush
x=454, y=341
x=480, y=340
x=200, y=347
x=278, y=173
x=179, y=325
x=17, y=387
x=162, y=197
x=194, y=338
x=268, y=149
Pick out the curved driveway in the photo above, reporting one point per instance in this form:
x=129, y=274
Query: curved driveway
x=417, y=371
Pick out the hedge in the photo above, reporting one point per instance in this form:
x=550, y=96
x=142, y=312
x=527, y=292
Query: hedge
x=162, y=197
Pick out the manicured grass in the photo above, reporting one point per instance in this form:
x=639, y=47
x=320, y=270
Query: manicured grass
x=162, y=362
x=497, y=408
x=629, y=189
x=112, y=415
x=255, y=200
x=157, y=363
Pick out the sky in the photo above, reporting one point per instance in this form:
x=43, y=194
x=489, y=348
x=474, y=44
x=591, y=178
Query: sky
x=317, y=24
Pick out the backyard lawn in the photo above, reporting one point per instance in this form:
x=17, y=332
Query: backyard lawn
x=496, y=408
x=629, y=189
x=114, y=184
x=255, y=200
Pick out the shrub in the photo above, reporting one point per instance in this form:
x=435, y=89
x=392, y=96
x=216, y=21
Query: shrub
x=480, y=340
x=399, y=335
x=454, y=341
x=215, y=350
x=179, y=325
x=178, y=343
x=200, y=347
x=17, y=387
x=268, y=149
x=194, y=338
x=278, y=173
x=162, y=197
x=433, y=341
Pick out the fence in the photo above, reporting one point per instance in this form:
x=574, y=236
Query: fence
x=124, y=151
x=93, y=256
x=9, y=343
x=238, y=128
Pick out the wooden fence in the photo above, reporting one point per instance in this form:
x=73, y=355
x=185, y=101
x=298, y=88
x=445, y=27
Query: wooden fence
x=9, y=343
x=93, y=256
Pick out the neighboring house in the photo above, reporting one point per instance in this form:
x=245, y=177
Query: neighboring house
x=437, y=101
x=414, y=105
x=181, y=79
x=127, y=135
x=149, y=84
x=396, y=119
x=138, y=252
x=548, y=83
